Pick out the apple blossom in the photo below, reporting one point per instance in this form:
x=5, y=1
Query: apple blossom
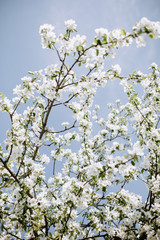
x=71, y=182
x=70, y=25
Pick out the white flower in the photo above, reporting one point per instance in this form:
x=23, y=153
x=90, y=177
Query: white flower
x=45, y=159
x=101, y=32
x=78, y=41
x=117, y=69
x=156, y=29
x=65, y=124
x=48, y=36
x=140, y=41
x=152, y=27
x=29, y=182
x=137, y=150
x=146, y=163
x=126, y=169
x=155, y=184
x=117, y=33
x=26, y=79
x=51, y=69
x=94, y=169
x=66, y=237
x=45, y=28
x=56, y=156
x=144, y=22
x=70, y=25
x=68, y=137
x=154, y=65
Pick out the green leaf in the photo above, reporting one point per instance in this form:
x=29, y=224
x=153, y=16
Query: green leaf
x=133, y=163
x=1, y=95
x=31, y=73
x=136, y=158
x=152, y=35
x=147, y=30
x=123, y=32
x=99, y=42
x=6, y=208
x=97, y=52
x=139, y=32
x=13, y=219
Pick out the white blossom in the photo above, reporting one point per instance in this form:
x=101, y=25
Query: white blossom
x=70, y=24
x=82, y=192
x=137, y=150
x=117, y=69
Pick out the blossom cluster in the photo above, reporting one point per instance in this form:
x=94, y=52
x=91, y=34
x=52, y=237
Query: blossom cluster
x=91, y=158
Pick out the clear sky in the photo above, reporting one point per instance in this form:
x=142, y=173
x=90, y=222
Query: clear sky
x=20, y=49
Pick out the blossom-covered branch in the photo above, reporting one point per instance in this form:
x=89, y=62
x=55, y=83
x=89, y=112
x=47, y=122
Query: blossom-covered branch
x=94, y=158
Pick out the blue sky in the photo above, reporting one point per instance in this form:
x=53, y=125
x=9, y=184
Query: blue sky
x=20, y=41
x=20, y=20
x=20, y=49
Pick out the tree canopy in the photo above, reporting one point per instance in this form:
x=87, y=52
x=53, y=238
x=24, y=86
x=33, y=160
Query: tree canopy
x=85, y=197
